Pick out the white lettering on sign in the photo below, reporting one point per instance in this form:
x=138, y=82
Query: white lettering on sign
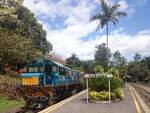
x=98, y=75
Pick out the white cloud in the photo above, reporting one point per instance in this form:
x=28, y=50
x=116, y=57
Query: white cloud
x=128, y=45
x=123, y=4
x=70, y=39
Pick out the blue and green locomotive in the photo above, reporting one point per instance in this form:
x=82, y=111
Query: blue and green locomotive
x=45, y=82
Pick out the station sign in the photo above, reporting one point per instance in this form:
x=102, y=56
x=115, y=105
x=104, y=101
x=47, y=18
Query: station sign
x=98, y=75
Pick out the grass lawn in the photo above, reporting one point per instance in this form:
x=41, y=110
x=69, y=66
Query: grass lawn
x=6, y=104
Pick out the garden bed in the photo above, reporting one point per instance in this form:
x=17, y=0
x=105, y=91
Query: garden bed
x=103, y=96
x=98, y=92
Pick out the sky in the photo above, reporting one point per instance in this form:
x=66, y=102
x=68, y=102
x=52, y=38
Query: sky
x=70, y=31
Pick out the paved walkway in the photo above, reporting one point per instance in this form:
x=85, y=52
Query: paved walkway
x=79, y=105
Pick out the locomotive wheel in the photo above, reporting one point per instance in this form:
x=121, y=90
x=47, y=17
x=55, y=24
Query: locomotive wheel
x=44, y=101
x=73, y=92
x=33, y=105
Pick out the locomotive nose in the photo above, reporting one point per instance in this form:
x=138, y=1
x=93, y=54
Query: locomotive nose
x=31, y=79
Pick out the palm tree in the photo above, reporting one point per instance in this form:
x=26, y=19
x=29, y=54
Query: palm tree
x=109, y=13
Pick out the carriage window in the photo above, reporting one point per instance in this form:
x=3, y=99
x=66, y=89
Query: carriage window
x=62, y=71
x=68, y=73
x=41, y=69
x=50, y=68
x=54, y=69
x=24, y=70
x=75, y=75
x=33, y=69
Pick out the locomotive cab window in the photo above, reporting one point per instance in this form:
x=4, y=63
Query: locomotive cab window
x=50, y=68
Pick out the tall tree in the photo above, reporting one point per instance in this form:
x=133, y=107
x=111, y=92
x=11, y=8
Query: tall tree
x=137, y=57
x=21, y=37
x=16, y=49
x=88, y=66
x=117, y=58
x=32, y=29
x=101, y=55
x=109, y=13
x=73, y=61
x=137, y=68
x=15, y=17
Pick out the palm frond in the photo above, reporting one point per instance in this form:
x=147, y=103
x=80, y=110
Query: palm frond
x=96, y=17
x=119, y=14
x=114, y=21
x=114, y=18
x=104, y=6
x=115, y=7
x=103, y=23
x=98, y=26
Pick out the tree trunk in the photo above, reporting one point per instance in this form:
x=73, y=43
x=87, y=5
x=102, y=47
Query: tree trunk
x=107, y=55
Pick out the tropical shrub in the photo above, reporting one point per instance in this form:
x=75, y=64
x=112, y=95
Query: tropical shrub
x=104, y=95
x=114, y=72
x=116, y=83
x=118, y=93
x=98, y=69
x=101, y=84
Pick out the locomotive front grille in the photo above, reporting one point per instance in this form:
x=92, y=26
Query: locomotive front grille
x=27, y=81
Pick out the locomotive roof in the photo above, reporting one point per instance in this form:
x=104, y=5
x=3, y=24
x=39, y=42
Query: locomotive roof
x=61, y=65
x=40, y=62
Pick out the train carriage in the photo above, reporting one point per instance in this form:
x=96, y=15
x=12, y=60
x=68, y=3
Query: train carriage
x=45, y=82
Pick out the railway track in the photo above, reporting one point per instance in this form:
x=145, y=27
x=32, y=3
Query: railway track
x=144, y=92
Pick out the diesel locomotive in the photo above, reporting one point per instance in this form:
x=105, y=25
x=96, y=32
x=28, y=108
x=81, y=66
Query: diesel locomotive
x=46, y=82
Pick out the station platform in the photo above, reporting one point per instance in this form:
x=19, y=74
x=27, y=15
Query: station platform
x=77, y=104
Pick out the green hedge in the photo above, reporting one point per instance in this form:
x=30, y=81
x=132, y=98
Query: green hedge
x=101, y=84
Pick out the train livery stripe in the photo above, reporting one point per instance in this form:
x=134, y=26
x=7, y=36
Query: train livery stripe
x=52, y=108
x=135, y=101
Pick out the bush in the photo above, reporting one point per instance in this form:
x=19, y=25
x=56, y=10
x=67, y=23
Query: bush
x=118, y=93
x=9, y=87
x=98, y=69
x=99, y=96
x=101, y=84
x=104, y=96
